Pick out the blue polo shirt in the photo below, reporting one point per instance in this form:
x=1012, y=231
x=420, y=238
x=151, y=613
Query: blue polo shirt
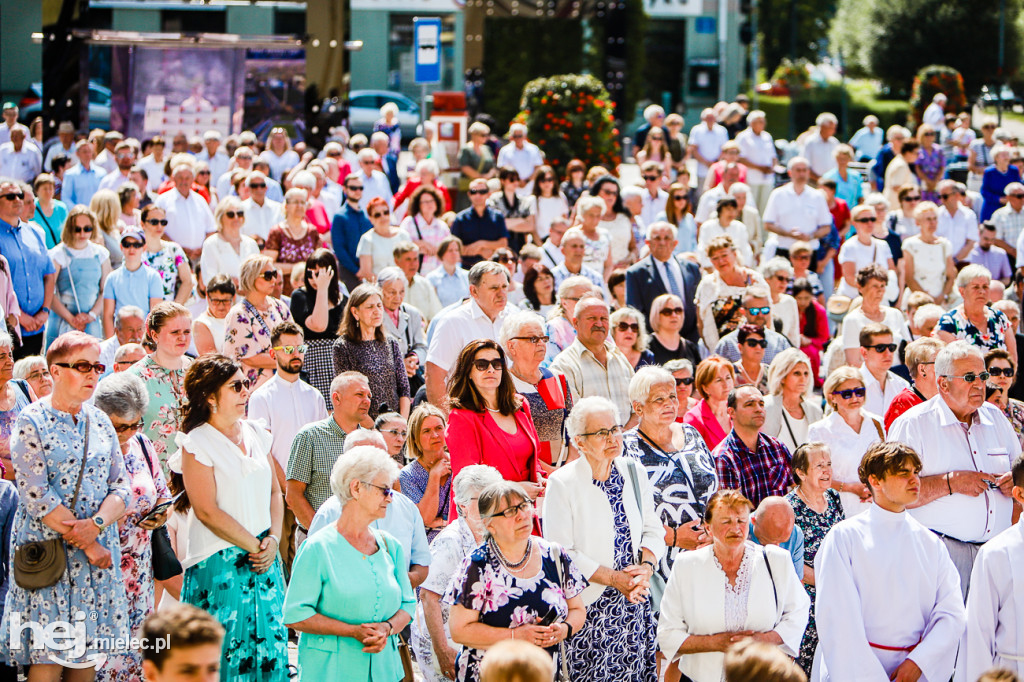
x=125, y=287
x=348, y=226
x=24, y=246
x=794, y=545
x=81, y=184
x=469, y=226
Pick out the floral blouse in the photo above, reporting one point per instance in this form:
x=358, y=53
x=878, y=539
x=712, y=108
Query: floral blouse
x=1015, y=413
x=291, y=250
x=166, y=394
x=248, y=334
x=166, y=262
x=997, y=327
x=482, y=584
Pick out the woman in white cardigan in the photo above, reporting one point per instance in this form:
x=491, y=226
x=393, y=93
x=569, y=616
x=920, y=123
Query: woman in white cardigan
x=790, y=409
x=729, y=591
x=614, y=536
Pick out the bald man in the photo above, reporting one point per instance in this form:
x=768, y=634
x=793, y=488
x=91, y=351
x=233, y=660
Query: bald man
x=774, y=523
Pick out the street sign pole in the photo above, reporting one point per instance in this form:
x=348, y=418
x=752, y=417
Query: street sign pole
x=427, y=53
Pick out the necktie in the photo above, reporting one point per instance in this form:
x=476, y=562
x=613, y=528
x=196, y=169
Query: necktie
x=673, y=283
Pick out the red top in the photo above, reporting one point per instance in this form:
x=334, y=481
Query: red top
x=903, y=401
x=168, y=185
x=819, y=336
x=316, y=215
x=703, y=419
x=412, y=185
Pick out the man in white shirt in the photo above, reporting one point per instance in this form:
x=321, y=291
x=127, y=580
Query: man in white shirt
x=796, y=212
x=749, y=215
x=286, y=403
x=957, y=223
x=261, y=213
x=967, y=445
x=709, y=200
x=66, y=146
x=757, y=153
x=818, y=150
x=552, y=247
x=10, y=120
x=107, y=159
x=653, y=196
x=877, y=350
x=705, y=143
x=935, y=113
x=189, y=218
x=479, y=318
x=129, y=327
x=888, y=601
x=124, y=159
x=18, y=159
x=418, y=291
x=213, y=156
x=242, y=158
x=522, y=155
x=153, y=164
x=574, y=248
x=375, y=183
x=994, y=637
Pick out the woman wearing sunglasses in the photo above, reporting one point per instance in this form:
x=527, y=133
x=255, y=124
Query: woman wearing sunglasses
x=629, y=331
x=682, y=370
x=848, y=431
x=225, y=249
x=166, y=257
x=376, y=248
x=251, y=320
x=134, y=283
x=235, y=509
x=750, y=368
x=789, y=408
x=82, y=266
x=862, y=250
x=294, y=239
x=1001, y=371
x=667, y=317
x=489, y=423
x=525, y=341
x=68, y=464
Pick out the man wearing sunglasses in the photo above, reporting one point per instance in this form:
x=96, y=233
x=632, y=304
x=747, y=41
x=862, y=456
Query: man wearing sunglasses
x=349, y=224
x=32, y=272
x=123, y=158
x=654, y=198
x=481, y=228
x=375, y=183
x=757, y=309
x=966, y=445
x=876, y=351
x=129, y=328
x=957, y=223
x=261, y=212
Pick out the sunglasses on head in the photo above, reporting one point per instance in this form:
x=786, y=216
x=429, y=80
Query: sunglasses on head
x=882, y=347
x=481, y=365
x=1001, y=372
x=238, y=384
x=235, y=214
x=685, y=381
x=83, y=229
x=84, y=366
x=759, y=311
x=970, y=377
x=848, y=393
x=157, y=221
x=629, y=327
x=270, y=275
x=754, y=343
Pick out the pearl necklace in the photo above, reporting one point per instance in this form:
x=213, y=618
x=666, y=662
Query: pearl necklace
x=508, y=564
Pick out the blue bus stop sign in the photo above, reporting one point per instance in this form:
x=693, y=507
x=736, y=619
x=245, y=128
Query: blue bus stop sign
x=427, y=50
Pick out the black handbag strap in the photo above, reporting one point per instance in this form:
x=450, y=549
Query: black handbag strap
x=771, y=576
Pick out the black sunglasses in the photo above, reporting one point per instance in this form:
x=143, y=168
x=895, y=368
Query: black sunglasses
x=652, y=178
x=866, y=220
x=754, y=343
x=134, y=426
x=629, y=327
x=882, y=347
x=235, y=214
x=270, y=275
x=238, y=384
x=685, y=381
x=258, y=185
x=478, y=191
x=1001, y=371
x=83, y=229
x=132, y=244
x=848, y=393
x=157, y=221
x=481, y=365
x=12, y=196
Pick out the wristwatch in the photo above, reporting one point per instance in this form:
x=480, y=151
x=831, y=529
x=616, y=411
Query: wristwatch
x=98, y=520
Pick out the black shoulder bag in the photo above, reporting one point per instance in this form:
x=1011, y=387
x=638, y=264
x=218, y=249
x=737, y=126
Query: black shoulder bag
x=165, y=561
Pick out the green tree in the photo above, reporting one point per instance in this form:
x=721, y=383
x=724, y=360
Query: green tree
x=775, y=29
x=852, y=35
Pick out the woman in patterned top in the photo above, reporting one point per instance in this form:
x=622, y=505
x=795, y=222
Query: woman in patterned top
x=1002, y=368
x=975, y=320
x=167, y=258
x=294, y=239
x=511, y=583
x=427, y=480
x=247, y=336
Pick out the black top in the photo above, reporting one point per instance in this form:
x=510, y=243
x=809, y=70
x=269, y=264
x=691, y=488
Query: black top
x=302, y=307
x=687, y=350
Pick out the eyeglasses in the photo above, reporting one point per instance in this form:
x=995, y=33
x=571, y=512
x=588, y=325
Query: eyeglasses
x=848, y=393
x=385, y=490
x=605, y=433
x=882, y=347
x=866, y=220
x=210, y=300
x=396, y=432
x=913, y=198
x=257, y=185
x=481, y=365
x=513, y=511
x=970, y=376
x=270, y=275
x=132, y=244
x=381, y=214
x=754, y=343
x=665, y=312
x=288, y=350
x=630, y=326
x=783, y=278
x=685, y=381
x=235, y=214
x=759, y=311
x=1001, y=372
x=13, y=196
x=531, y=339
x=157, y=221
x=134, y=426
x=478, y=191
x=507, y=259
x=83, y=229
x=38, y=374
x=238, y=384
x=84, y=366
x=652, y=178
x=608, y=193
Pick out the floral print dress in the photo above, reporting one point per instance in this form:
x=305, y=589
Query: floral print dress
x=997, y=327
x=166, y=394
x=166, y=262
x=482, y=584
x=248, y=334
x=147, y=486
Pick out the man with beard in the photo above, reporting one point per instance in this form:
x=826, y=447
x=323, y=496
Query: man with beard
x=286, y=403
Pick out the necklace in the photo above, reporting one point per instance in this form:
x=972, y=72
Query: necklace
x=508, y=564
x=491, y=409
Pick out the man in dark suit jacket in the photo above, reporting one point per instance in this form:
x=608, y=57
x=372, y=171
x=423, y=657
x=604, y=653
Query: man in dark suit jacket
x=645, y=280
x=380, y=142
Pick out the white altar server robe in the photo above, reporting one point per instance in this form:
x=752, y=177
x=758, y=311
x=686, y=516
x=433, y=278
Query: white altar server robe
x=883, y=578
x=694, y=604
x=995, y=609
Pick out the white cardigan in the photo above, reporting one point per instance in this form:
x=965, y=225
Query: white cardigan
x=577, y=516
x=694, y=604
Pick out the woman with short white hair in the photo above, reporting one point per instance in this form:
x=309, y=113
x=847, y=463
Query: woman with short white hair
x=293, y=240
x=525, y=342
x=601, y=509
x=995, y=179
x=778, y=272
x=225, y=249
x=789, y=407
x=597, y=239
x=929, y=257
x=344, y=626
x=974, y=320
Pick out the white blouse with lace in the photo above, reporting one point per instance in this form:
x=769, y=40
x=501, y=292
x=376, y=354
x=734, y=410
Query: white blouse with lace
x=736, y=594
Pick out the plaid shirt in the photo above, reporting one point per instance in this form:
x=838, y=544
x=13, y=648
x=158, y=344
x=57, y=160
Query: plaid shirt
x=757, y=475
x=314, y=451
x=1009, y=224
x=587, y=377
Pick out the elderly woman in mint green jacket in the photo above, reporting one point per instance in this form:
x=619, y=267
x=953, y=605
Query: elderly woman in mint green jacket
x=345, y=625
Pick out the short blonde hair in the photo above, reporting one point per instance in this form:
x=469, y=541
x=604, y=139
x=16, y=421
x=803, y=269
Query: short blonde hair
x=628, y=312
x=252, y=267
x=226, y=204
x=658, y=305
x=361, y=463
x=836, y=379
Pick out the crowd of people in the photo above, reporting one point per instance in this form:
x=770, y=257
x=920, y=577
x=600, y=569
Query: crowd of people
x=470, y=414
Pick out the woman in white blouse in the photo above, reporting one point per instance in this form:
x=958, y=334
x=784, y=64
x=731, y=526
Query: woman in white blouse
x=872, y=281
x=789, y=410
x=862, y=250
x=725, y=223
x=615, y=220
x=597, y=241
x=929, y=257
x=234, y=515
x=225, y=249
x=848, y=431
x=729, y=591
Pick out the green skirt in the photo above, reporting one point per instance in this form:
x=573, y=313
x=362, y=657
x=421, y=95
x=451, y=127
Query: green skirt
x=249, y=606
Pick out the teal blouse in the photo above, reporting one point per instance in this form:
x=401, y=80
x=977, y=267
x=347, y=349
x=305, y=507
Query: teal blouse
x=334, y=579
